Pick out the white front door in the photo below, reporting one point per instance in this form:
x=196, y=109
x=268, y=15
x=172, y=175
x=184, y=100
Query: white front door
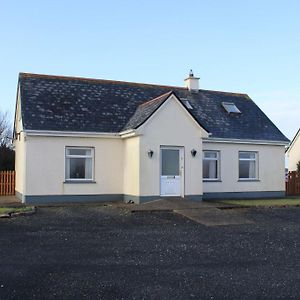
x=171, y=171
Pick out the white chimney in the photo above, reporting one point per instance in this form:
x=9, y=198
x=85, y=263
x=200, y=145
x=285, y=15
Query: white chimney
x=192, y=83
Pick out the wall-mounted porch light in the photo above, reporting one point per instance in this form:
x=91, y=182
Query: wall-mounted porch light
x=150, y=153
x=193, y=152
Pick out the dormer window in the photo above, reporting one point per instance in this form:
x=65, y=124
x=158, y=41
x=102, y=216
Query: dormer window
x=230, y=107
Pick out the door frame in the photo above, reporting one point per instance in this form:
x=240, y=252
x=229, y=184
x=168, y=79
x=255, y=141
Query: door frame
x=181, y=166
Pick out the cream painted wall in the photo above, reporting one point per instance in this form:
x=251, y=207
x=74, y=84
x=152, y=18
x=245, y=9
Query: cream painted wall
x=171, y=125
x=20, y=152
x=293, y=155
x=270, y=168
x=20, y=160
x=45, y=173
x=131, y=178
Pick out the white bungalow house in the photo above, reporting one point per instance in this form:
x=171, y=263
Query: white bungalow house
x=79, y=139
x=293, y=152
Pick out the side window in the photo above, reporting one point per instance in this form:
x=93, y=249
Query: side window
x=248, y=165
x=211, y=165
x=79, y=164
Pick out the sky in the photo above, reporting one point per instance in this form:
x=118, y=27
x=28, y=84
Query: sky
x=250, y=47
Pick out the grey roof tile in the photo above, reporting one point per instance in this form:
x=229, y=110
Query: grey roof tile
x=89, y=105
x=145, y=110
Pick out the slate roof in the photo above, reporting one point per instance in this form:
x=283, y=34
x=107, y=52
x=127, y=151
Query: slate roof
x=145, y=110
x=94, y=105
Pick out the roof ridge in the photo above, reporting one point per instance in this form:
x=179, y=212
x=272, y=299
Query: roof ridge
x=95, y=80
x=88, y=79
x=156, y=98
x=230, y=93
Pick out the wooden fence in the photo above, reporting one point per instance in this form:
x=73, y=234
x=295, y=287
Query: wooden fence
x=292, y=184
x=7, y=183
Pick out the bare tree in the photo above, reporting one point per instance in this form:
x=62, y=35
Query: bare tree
x=5, y=130
x=7, y=154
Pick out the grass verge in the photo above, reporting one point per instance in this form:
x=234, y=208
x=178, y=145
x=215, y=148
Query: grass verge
x=264, y=202
x=7, y=210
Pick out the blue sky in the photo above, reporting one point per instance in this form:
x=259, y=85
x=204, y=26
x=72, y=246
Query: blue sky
x=251, y=47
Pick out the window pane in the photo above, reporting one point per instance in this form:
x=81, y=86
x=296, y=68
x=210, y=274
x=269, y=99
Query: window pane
x=75, y=151
x=210, y=169
x=230, y=107
x=170, y=162
x=188, y=104
x=210, y=154
x=244, y=169
x=247, y=169
x=252, y=155
x=77, y=168
x=247, y=155
x=88, y=168
x=252, y=169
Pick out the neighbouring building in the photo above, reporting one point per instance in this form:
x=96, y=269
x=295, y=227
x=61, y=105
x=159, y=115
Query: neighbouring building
x=293, y=152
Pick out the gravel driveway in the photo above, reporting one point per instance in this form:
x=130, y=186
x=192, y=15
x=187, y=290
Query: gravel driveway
x=99, y=252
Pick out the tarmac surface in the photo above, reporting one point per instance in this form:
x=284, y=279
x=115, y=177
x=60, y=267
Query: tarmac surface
x=108, y=252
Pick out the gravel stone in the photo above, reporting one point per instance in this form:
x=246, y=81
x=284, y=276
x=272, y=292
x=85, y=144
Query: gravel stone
x=107, y=253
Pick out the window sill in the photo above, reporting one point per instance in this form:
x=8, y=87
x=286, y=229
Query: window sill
x=78, y=181
x=248, y=180
x=212, y=180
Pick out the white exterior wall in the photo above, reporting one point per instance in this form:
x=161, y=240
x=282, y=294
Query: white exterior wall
x=45, y=171
x=293, y=154
x=270, y=168
x=131, y=179
x=20, y=152
x=171, y=125
x=20, y=160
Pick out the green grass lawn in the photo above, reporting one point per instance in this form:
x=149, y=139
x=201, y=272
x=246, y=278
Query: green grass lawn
x=264, y=202
x=6, y=210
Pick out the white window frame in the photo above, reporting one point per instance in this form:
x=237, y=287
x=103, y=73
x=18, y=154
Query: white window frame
x=231, y=108
x=218, y=178
x=255, y=159
x=69, y=156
